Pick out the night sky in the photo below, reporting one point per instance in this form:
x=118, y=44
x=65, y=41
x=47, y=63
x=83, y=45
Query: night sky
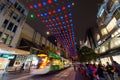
x=83, y=14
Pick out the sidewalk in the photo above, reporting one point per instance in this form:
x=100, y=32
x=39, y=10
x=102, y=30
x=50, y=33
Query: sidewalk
x=79, y=76
x=12, y=75
x=76, y=75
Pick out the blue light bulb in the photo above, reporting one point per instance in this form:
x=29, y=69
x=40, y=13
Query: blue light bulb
x=44, y=3
x=61, y=17
x=46, y=20
x=55, y=0
x=68, y=5
x=63, y=22
x=41, y=14
x=35, y=6
x=70, y=20
x=59, y=10
x=45, y=13
x=70, y=14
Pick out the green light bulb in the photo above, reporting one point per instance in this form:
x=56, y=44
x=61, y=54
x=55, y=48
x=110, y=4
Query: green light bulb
x=32, y=16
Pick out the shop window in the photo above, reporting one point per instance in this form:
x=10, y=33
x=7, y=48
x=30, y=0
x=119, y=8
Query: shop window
x=9, y=40
x=5, y=23
x=10, y=26
x=15, y=28
x=4, y=38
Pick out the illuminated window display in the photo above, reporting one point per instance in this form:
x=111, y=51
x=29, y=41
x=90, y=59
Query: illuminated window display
x=3, y=64
x=115, y=42
x=104, y=60
x=117, y=58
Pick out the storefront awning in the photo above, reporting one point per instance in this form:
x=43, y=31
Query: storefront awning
x=13, y=50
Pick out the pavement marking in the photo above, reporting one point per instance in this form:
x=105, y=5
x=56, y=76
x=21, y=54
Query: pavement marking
x=24, y=77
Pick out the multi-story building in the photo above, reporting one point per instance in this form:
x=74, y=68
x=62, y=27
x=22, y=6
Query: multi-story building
x=106, y=35
x=12, y=18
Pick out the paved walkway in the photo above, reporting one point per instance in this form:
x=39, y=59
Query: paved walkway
x=67, y=74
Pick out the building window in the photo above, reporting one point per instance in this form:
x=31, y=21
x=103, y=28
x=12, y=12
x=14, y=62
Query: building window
x=10, y=13
x=22, y=11
x=116, y=14
x=19, y=19
x=104, y=31
x=5, y=23
x=112, y=24
x=15, y=16
x=9, y=40
x=16, y=5
x=2, y=7
x=4, y=38
x=15, y=28
x=19, y=8
x=10, y=26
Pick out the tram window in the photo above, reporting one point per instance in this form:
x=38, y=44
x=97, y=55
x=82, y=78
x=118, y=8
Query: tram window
x=17, y=63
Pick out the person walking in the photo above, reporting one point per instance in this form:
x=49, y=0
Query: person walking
x=117, y=68
x=100, y=72
x=110, y=70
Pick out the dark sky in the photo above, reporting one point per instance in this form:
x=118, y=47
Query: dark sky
x=84, y=17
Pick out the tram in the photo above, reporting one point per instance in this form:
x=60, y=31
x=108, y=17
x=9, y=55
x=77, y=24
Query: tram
x=47, y=62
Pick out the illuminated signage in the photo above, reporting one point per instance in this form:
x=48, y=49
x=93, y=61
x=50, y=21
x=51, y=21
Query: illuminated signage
x=8, y=56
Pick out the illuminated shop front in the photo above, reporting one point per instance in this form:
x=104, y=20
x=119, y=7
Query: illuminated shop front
x=112, y=45
x=16, y=57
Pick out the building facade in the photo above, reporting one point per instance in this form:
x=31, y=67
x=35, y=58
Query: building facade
x=106, y=34
x=12, y=18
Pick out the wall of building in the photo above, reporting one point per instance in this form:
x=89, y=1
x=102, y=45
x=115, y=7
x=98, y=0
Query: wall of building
x=12, y=20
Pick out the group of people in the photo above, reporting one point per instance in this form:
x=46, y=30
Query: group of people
x=101, y=72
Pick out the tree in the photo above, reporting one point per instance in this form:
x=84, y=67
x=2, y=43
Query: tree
x=86, y=54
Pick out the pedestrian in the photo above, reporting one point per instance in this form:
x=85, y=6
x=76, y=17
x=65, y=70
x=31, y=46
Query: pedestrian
x=110, y=70
x=117, y=68
x=100, y=72
x=22, y=67
x=89, y=72
x=74, y=65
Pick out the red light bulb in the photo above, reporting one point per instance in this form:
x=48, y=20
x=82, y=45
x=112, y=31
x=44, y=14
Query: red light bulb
x=54, y=11
x=31, y=6
x=39, y=4
x=49, y=13
x=63, y=8
x=49, y=1
x=65, y=15
x=38, y=15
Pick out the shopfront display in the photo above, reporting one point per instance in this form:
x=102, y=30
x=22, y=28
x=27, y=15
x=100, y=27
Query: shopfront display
x=3, y=64
x=105, y=60
x=15, y=56
x=117, y=58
